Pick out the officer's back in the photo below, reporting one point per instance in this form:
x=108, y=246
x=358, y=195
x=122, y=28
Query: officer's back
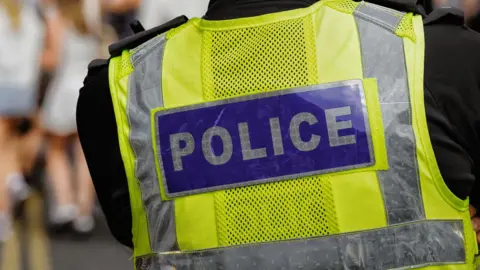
x=294, y=140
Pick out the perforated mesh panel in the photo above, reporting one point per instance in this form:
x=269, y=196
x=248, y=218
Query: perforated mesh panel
x=346, y=6
x=248, y=61
x=277, y=211
x=125, y=65
x=405, y=27
x=245, y=61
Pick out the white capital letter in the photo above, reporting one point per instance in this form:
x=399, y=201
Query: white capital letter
x=247, y=151
x=177, y=152
x=295, y=132
x=333, y=126
x=276, y=136
x=207, y=145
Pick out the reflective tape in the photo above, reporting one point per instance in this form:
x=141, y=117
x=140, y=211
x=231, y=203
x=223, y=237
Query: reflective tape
x=145, y=93
x=402, y=246
x=383, y=58
x=381, y=16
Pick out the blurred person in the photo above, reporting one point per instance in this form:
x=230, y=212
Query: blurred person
x=119, y=14
x=470, y=9
x=77, y=41
x=472, y=14
x=21, y=30
x=157, y=12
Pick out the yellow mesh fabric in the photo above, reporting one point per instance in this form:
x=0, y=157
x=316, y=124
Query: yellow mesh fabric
x=346, y=6
x=405, y=27
x=125, y=65
x=245, y=61
x=278, y=211
x=252, y=60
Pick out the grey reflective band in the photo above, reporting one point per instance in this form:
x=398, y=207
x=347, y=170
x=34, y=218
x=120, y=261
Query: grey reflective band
x=384, y=17
x=402, y=246
x=401, y=183
x=144, y=94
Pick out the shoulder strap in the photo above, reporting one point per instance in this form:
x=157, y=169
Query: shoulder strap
x=136, y=40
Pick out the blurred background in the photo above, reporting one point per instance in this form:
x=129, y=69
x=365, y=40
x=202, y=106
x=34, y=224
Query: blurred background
x=45, y=47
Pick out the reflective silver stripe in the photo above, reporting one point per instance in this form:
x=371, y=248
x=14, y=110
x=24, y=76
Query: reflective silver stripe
x=384, y=17
x=404, y=246
x=383, y=58
x=145, y=93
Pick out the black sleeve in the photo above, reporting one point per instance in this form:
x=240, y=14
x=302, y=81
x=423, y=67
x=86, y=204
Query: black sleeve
x=98, y=135
x=452, y=159
x=452, y=98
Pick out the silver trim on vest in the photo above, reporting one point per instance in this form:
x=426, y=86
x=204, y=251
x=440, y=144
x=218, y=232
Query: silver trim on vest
x=144, y=94
x=381, y=16
x=383, y=58
x=404, y=246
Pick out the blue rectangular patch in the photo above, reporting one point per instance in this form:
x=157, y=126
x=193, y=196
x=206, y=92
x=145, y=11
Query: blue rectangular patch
x=263, y=138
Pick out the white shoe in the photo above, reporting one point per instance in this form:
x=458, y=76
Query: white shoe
x=5, y=228
x=18, y=188
x=84, y=224
x=63, y=214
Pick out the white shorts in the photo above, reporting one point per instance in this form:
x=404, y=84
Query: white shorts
x=59, y=110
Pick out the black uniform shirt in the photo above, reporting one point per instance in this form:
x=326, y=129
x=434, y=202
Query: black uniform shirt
x=452, y=96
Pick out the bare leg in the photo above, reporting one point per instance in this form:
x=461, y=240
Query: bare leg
x=16, y=185
x=85, y=192
x=29, y=147
x=59, y=171
x=5, y=164
x=8, y=164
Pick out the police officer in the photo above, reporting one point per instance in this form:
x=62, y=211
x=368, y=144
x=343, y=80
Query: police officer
x=290, y=135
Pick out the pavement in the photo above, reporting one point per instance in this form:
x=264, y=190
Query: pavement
x=32, y=248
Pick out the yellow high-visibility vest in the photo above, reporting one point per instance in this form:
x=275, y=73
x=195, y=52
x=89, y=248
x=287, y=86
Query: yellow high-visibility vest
x=293, y=140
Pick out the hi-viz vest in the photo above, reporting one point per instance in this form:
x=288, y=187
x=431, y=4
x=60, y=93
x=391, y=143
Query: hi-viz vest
x=293, y=140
